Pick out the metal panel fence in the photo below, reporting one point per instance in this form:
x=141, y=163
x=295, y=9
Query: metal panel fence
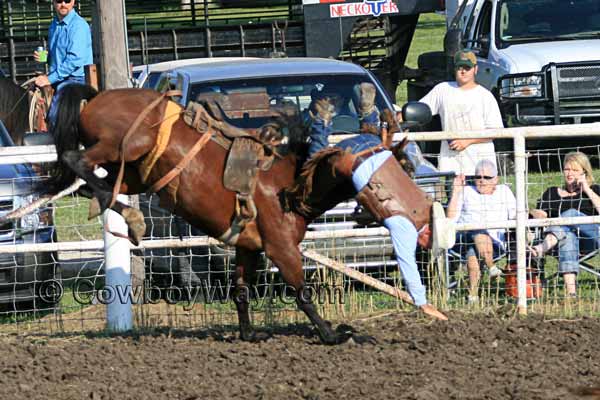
x=183, y=279
x=183, y=26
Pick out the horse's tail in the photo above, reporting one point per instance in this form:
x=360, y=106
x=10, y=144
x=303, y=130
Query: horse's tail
x=65, y=129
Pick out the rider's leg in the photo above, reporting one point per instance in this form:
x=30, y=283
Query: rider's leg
x=404, y=239
x=403, y=233
x=319, y=134
x=52, y=110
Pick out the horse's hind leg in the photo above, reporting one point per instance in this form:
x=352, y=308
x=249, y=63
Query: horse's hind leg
x=246, y=262
x=289, y=261
x=103, y=193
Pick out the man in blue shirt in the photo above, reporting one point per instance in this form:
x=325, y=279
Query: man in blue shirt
x=70, y=50
x=402, y=230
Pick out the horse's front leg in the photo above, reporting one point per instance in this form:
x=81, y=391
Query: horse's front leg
x=246, y=262
x=289, y=261
x=102, y=193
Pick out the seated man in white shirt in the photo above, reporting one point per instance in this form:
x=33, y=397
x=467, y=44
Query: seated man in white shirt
x=485, y=201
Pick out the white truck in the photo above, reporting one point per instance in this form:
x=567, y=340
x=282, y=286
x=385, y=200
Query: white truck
x=540, y=58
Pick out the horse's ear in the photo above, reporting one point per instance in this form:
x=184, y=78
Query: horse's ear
x=402, y=144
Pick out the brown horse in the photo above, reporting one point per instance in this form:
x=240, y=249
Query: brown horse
x=22, y=110
x=121, y=127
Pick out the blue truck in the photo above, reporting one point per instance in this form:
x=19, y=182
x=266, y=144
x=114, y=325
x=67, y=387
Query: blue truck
x=23, y=275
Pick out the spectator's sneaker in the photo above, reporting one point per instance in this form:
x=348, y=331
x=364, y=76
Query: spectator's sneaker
x=495, y=272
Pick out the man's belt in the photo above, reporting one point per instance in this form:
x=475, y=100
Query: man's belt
x=365, y=154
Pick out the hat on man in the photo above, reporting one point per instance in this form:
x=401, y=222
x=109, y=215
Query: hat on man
x=464, y=58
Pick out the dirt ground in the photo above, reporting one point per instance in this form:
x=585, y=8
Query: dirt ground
x=470, y=357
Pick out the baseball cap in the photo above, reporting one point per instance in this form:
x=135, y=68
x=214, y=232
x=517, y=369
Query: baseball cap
x=465, y=58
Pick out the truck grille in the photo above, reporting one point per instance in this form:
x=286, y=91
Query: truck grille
x=578, y=81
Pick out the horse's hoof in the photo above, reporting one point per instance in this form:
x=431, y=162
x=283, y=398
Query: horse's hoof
x=336, y=338
x=135, y=221
x=255, y=337
x=94, y=209
x=344, y=329
x=364, y=339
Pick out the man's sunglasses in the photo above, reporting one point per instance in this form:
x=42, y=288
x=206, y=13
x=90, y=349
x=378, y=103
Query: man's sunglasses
x=465, y=67
x=62, y=1
x=486, y=177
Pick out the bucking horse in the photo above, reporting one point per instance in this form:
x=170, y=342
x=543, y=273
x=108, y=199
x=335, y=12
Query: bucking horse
x=243, y=187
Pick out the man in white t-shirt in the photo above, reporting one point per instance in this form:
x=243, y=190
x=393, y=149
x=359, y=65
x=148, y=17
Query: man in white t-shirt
x=485, y=201
x=464, y=105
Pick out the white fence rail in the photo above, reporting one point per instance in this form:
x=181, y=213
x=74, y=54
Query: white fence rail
x=39, y=154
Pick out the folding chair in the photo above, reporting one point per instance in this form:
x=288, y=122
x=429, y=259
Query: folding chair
x=585, y=256
x=456, y=257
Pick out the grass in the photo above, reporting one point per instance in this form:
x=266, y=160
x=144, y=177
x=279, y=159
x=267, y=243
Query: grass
x=72, y=223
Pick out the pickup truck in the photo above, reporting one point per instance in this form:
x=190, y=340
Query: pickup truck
x=540, y=58
x=22, y=275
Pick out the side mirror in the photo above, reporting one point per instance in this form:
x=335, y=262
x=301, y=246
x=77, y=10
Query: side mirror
x=484, y=44
x=415, y=113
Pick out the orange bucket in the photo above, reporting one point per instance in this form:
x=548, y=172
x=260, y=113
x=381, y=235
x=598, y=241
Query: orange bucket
x=534, y=283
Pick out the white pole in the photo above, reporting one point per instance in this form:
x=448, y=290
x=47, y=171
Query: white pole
x=117, y=265
x=521, y=197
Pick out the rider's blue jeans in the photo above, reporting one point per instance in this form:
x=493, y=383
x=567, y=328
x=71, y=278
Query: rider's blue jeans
x=402, y=231
x=573, y=240
x=58, y=88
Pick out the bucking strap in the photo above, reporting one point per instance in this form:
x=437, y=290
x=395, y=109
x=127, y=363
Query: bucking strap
x=136, y=124
x=171, y=115
x=391, y=192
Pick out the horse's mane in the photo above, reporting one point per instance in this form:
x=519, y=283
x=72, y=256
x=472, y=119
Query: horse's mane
x=310, y=201
x=15, y=116
x=318, y=188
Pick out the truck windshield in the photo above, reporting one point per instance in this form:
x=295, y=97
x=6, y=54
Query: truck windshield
x=250, y=103
x=520, y=21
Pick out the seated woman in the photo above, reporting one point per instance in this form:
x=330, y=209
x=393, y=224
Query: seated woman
x=579, y=196
x=485, y=201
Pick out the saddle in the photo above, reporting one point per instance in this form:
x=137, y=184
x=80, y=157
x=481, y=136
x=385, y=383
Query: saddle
x=249, y=151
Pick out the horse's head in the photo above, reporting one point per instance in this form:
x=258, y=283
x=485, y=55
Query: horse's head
x=14, y=109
